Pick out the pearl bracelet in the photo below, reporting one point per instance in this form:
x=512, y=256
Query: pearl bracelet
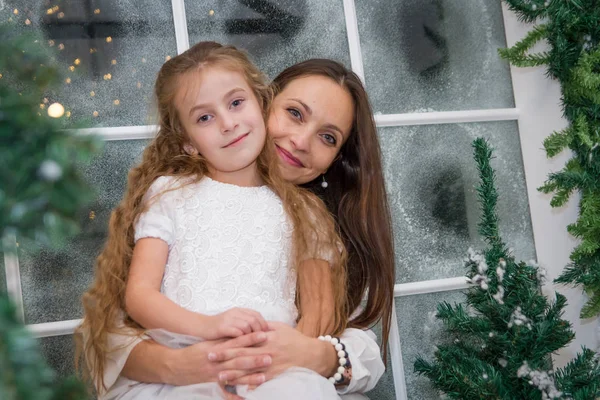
x=344, y=362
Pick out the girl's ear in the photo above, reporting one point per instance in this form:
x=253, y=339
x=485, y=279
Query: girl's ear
x=190, y=149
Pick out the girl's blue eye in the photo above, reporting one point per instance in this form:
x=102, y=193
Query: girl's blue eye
x=295, y=113
x=204, y=118
x=237, y=102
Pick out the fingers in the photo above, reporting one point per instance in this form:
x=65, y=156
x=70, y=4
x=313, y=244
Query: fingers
x=250, y=340
x=258, y=321
x=252, y=380
x=248, y=364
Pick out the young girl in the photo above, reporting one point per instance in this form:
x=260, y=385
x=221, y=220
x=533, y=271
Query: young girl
x=209, y=242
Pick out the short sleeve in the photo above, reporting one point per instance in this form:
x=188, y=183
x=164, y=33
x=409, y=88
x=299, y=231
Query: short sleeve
x=158, y=219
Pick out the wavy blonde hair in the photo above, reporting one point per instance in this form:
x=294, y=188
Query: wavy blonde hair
x=104, y=301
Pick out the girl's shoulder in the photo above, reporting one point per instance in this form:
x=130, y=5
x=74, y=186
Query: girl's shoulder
x=168, y=184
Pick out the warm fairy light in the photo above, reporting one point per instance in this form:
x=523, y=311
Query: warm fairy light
x=108, y=39
x=61, y=15
x=56, y=110
x=55, y=8
x=93, y=50
x=97, y=11
x=211, y=12
x=51, y=43
x=116, y=102
x=92, y=215
x=68, y=80
x=16, y=12
x=77, y=61
x=143, y=60
x=0, y=76
x=49, y=11
x=107, y=77
x=71, y=68
x=61, y=46
x=68, y=114
x=139, y=84
x=27, y=22
x=95, y=113
x=114, y=62
x=92, y=93
x=42, y=106
x=167, y=58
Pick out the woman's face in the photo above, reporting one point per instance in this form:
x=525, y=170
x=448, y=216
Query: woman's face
x=309, y=122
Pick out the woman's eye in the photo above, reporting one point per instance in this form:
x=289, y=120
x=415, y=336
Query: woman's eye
x=204, y=118
x=237, y=102
x=329, y=138
x=295, y=113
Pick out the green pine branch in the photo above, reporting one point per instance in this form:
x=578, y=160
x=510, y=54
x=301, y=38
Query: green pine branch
x=572, y=30
x=503, y=337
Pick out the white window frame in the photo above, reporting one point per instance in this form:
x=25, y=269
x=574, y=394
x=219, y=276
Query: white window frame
x=537, y=112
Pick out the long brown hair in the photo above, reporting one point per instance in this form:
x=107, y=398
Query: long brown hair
x=356, y=196
x=104, y=302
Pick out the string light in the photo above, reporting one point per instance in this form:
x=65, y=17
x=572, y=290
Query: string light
x=93, y=50
x=49, y=11
x=27, y=22
x=16, y=12
x=56, y=110
x=61, y=46
x=68, y=114
x=95, y=113
x=61, y=15
x=0, y=76
x=92, y=93
x=51, y=43
x=107, y=77
x=68, y=80
x=42, y=106
x=92, y=215
x=114, y=62
x=45, y=100
x=71, y=68
x=77, y=61
x=167, y=58
x=139, y=84
x=97, y=11
x=116, y=102
x=108, y=39
x=143, y=60
x=211, y=12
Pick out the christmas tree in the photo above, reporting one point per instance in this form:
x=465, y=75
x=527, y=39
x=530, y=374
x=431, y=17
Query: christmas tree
x=572, y=31
x=40, y=194
x=500, y=342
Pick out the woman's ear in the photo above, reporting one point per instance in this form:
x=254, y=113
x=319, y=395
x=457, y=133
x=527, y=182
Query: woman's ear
x=190, y=150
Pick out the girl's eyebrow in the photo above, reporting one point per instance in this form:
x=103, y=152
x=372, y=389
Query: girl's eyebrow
x=232, y=91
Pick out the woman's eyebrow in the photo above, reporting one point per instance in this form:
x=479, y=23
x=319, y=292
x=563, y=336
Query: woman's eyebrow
x=308, y=110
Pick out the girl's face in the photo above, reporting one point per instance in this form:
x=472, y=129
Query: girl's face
x=224, y=123
x=309, y=122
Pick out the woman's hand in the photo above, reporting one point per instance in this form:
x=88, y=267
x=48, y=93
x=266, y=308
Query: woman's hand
x=191, y=364
x=287, y=348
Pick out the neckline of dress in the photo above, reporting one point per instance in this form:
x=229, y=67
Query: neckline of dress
x=232, y=186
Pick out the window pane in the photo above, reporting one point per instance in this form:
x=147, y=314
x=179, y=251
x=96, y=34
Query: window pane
x=432, y=55
x=431, y=178
x=53, y=281
x=276, y=33
x=114, y=49
x=420, y=332
x=59, y=352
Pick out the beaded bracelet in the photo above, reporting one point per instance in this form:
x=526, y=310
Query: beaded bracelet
x=343, y=371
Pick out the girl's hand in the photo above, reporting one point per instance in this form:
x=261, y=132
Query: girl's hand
x=287, y=348
x=232, y=323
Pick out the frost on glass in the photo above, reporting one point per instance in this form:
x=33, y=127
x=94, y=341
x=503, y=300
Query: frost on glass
x=433, y=55
x=111, y=51
x=276, y=33
x=53, y=281
x=59, y=352
x=431, y=178
x=420, y=333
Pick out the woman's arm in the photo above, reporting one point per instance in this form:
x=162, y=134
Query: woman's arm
x=150, y=362
x=289, y=348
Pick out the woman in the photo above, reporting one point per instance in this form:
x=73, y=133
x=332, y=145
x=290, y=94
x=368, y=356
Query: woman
x=326, y=140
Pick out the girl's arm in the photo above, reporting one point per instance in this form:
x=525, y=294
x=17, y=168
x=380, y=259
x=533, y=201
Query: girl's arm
x=150, y=308
x=146, y=304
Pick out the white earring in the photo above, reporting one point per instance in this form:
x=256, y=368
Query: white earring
x=324, y=184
